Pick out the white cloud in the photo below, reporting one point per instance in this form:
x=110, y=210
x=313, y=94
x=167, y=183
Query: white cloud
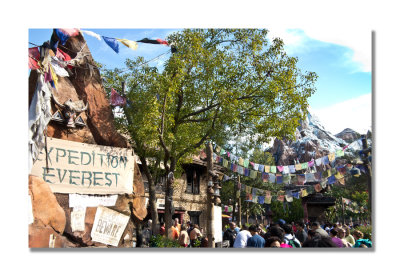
x=355, y=113
x=358, y=40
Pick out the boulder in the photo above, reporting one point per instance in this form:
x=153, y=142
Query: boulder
x=39, y=237
x=45, y=207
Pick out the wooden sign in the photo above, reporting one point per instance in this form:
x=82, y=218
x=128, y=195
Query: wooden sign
x=74, y=167
x=108, y=226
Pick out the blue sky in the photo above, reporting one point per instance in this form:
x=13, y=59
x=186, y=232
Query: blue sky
x=342, y=60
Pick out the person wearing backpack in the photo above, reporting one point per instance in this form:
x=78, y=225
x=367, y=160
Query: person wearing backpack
x=289, y=238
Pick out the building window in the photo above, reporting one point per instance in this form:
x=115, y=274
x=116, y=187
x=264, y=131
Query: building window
x=193, y=181
x=195, y=217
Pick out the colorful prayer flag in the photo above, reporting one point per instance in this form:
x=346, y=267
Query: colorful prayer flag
x=154, y=41
x=310, y=177
x=112, y=42
x=128, y=43
x=339, y=153
x=64, y=34
x=34, y=57
x=286, y=170
x=279, y=179
x=265, y=177
x=289, y=198
x=93, y=34
x=301, y=179
x=331, y=179
x=273, y=169
x=286, y=179
x=271, y=178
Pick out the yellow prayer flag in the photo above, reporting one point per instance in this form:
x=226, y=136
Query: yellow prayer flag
x=338, y=175
x=128, y=43
x=54, y=76
x=267, y=169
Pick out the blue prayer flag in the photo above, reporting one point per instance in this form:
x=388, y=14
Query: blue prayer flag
x=112, y=42
x=62, y=36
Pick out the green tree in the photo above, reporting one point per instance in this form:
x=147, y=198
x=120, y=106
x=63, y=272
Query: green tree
x=220, y=83
x=355, y=190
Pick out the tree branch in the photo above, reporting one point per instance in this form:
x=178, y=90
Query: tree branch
x=198, y=144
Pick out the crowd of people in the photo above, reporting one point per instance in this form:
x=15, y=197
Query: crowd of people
x=295, y=235
x=186, y=234
x=279, y=234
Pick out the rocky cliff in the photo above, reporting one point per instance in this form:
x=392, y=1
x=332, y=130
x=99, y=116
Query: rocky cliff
x=348, y=135
x=84, y=83
x=314, y=141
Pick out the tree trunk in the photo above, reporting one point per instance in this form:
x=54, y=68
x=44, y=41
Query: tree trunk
x=152, y=196
x=247, y=212
x=210, y=205
x=239, y=207
x=168, y=200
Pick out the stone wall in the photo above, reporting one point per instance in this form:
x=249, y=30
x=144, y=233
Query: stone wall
x=184, y=201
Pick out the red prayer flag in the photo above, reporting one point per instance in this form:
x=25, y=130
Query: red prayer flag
x=70, y=32
x=116, y=99
x=63, y=56
x=34, y=57
x=162, y=41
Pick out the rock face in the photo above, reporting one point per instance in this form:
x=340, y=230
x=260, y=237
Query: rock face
x=45, y=207
x=312, y=141
x=348, y=135
x=51, y=211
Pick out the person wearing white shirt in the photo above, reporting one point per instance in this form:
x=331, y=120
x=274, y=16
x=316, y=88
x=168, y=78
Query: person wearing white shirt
x=241, y=238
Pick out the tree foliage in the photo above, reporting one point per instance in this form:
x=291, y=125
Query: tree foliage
x=221, y=83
